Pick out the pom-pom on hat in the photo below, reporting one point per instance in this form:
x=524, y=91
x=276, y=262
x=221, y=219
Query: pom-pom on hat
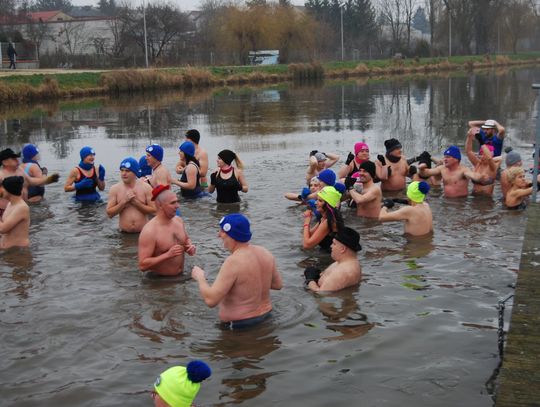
x=236, y=226
x=341, y=188
x=29, y=151
x=158, y=189
x=330, y=195
x=193, y=135
x=512, y=158
x=369, y=167
x=328, y=177
x=156, y=151
x=188, y=148
x=130, y=164
x=391, y=145
x=175, y=386
x=350, y=238
x=13, y=185
x=86, y=151
x=416, y=191
x=453, y=151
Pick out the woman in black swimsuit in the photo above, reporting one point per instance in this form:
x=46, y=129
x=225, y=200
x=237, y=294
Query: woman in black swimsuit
x=228, y=180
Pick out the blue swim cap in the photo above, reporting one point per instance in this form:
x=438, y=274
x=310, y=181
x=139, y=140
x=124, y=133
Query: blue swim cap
x=86, y=151
x=453, y=151
x=155, y=151
x=328, y=177
x=236, y=226
x=130, y=164
x=144, y=168
x=188, y=148
x=29, y=151
x=340, y=187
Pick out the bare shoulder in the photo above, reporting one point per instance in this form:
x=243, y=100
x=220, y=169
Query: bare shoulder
x=115, y=189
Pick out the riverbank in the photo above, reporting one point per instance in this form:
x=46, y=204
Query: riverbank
x=25, y=86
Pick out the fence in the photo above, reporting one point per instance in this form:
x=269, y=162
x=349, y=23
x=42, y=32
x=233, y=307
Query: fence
x=26, y=55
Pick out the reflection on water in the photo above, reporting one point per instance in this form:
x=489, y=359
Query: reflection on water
x=81, y=326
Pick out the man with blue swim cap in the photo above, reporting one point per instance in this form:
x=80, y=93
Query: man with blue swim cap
x=84, y=179
x=160, y=174
x=242, y=286
x=416, y=215
x=131, y=198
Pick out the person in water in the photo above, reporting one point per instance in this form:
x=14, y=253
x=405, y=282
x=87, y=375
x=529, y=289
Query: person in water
x=319, y=161
x=513, y=160
x=164, y=240
x=131, y=198
x=329, y=223
x=189, y=183
x=368, y=202
x=484, y=164
x=178, y=386
x=242, y=286
x=145, y=171
x=417, y=216
x=488, y=132
x=84, y=179
x=392, y=166
x=455, y=176
x=36, y=173
x=15, y=221
x=201, y=155
x=228, y=180
x=345, y=271
x=520, y=189
x=160, y=174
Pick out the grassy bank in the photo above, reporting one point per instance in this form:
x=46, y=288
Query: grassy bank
x=23, y=88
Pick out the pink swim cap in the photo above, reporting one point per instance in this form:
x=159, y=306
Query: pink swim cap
x=489, y=147
x=360, y=146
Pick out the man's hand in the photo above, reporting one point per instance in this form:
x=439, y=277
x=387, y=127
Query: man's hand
x=197, y=273
x=191, y=249
x=130, y=195
x=175, y=250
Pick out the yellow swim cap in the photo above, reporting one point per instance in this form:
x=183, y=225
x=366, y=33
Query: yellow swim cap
x=417, y=191
x=330, y=195
x=174, y=387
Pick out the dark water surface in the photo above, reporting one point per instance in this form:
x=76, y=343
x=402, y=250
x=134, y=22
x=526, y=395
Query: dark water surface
x=80, y=327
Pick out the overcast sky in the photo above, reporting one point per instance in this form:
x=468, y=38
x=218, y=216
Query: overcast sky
x=183, y=4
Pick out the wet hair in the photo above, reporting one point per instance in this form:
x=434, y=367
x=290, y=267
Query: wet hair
x=191, y=159
x=513, y=172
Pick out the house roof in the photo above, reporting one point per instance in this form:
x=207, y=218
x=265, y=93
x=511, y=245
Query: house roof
x=46, y=16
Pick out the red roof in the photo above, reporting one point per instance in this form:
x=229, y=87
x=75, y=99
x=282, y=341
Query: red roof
x=43, y=15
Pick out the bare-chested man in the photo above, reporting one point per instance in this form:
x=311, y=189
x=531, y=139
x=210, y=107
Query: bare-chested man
x=160, y=174
x=345, y=271
x=394, y=167
x=84, y=178
x=201, y=155
x=164, y=240
x=131, y=198
x=15, y=222
x=10, y=167
x=488, y=132
x=484, y=164
x=242, y=286
x=417, y=215
x=318, y=162
x=454, y=175
x=368, y=202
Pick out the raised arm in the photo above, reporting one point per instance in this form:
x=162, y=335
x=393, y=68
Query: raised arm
x=428, y=172
x=402, y=213
x=213, y=294
x=469, y=150
x=312, y=238
x=332, y=159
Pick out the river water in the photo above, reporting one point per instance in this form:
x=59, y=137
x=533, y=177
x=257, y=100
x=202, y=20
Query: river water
x=81, y=327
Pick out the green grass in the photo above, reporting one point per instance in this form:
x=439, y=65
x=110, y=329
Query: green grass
x=85, y=80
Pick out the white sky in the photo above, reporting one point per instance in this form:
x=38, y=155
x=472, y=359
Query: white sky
x=183, y=4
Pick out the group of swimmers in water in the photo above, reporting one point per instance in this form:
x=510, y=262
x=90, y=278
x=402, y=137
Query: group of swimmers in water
x=145, y=204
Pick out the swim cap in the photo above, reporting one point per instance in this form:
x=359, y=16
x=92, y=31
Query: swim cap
x=330, y=195
x=512, y=158
x=156, y=151
x=144, y=168
x=369, y=167
x=29, y=151
x=391, y=145
x=176, y=387
x=360, y=146
x=341, y=188
x=320, y=156
x=417, y=191
x=236, y=226
x=227, y=156
x=188, y=148
x=13, y=185
x=350, y=238
x=453, y=151
x=328, y=177
x=193, y=135
x=86, y=151
x=130, y=164
x=158, y=189
x=489, y=147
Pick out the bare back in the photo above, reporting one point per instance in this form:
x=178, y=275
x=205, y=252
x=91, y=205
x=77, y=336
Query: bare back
x=15, y=226
x=340, y=275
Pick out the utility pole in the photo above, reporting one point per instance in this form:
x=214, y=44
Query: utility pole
x=145, y=38
x=342, y=48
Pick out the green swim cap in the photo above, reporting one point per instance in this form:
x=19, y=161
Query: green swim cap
x=417, y=191
x=174, y=387
x=330, y=195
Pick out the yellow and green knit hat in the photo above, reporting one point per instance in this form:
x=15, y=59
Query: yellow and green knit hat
x=330, y=195
x=179, y=385
x=417, y=191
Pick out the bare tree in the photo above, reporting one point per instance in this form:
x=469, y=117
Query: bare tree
x=73, y=36
x=518, y=20
x=392, y=14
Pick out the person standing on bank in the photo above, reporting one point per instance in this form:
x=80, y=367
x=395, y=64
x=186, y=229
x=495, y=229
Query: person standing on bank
x=228, y=180
x=12, y=55
x=84, y=179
